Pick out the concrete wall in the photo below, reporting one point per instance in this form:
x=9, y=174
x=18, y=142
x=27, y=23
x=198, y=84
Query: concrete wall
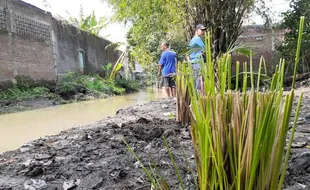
x=36, y=45
x=26, y=45
x=69, y=41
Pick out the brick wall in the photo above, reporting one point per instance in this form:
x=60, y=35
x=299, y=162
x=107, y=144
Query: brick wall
x=36, y=45
x=262, y=42
x=26, y=43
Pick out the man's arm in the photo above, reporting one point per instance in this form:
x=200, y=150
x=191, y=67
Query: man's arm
x=160, y=67
x=187, y=58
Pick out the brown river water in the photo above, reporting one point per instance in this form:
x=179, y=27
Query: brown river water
x=22, y=127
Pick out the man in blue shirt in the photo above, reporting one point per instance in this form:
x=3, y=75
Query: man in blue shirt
x=167, y=69
x=196, y=57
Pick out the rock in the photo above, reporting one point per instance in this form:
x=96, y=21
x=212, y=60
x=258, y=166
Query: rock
x=35, y=171
x=86, y=137
x=48, y=163
x=307, y=117
x=42, y=157
x=117, y=138
x=72, y=184
x=27, y=163
x=304, y=129
x=169, y=132
x=113, y=125
x=5, y=187
x=148, y=147
x=186, y=144
x=299, y=144
x=34, y=184
x=24, y=150
x=166, y=114
x=164, y=106
x=156, y=133
x=143, y=120
x=137, y=164
x=185, y=134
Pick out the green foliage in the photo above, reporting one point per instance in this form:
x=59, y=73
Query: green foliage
x=238, y=137
x=90, y=23
x=174, y=21
x=25, y=88
x=74, y=83
x=16, y=93
x=107, y=69
x=288, y=48
x=117, y=67
x=130, y=86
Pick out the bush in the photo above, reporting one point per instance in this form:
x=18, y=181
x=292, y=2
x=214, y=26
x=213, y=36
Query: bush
x=18, y=94
x=74, y=83
x=128, y=85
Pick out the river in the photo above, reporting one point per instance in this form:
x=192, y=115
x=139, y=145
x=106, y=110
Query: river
x=19, y=128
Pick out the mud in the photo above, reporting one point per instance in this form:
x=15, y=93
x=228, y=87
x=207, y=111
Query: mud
x=27, y=104
x=95, y=156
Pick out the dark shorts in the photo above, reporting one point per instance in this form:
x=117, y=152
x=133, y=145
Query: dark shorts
x=167, y=82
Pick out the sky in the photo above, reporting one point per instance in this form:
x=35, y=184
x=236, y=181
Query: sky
x=117, y=32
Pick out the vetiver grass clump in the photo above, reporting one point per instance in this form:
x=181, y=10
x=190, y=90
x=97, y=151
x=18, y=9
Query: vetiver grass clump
x=238, y=136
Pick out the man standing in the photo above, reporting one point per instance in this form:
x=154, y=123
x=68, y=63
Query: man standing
x=197, y=57
x=167, y=69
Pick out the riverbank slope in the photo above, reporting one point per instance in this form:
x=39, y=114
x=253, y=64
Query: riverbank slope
x=95, y=157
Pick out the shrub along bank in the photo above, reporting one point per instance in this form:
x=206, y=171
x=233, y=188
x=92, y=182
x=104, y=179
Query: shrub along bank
x=69, y=88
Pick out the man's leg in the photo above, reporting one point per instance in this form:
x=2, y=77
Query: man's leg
x=172, y=87
x=166, y=86
x=167, y=89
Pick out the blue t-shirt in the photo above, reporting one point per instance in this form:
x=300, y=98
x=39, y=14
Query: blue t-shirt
x=196, y=42
x=168, y=62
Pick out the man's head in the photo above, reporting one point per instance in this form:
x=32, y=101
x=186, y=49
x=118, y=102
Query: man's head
x=200, y=30
x=164, y=46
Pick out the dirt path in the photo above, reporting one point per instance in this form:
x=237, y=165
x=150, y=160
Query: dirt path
x=95, y=157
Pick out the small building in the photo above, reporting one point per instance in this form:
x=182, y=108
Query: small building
x=262, y=41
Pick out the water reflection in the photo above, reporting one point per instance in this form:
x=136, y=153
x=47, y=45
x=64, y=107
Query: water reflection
x=19, y=128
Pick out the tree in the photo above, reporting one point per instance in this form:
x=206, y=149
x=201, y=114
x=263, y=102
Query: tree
x=89, y=23
x=290, y=22
x=223, y=17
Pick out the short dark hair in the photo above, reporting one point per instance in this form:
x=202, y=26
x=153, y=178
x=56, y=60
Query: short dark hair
x=166, y=44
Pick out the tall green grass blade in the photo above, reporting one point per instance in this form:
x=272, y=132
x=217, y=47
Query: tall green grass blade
x=251, y=70
x=300, y=33
x=237, y=75
x=188, y=166
x=149, y=176
x=174, y=164
x=280, y=185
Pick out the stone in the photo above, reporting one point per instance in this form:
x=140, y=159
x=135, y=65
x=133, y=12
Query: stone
x=72, y=184
x=307, y=117
x=27, y=163
x=164, y=106
x=143, y=120
x=148, y=147
x=299, y=144
x=169, y=132
x=24, y=150
x=42, y=156
x=304, y=129
x=34, y=184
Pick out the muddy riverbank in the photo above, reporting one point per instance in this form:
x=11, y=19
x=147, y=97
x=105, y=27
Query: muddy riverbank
x=95, y=157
